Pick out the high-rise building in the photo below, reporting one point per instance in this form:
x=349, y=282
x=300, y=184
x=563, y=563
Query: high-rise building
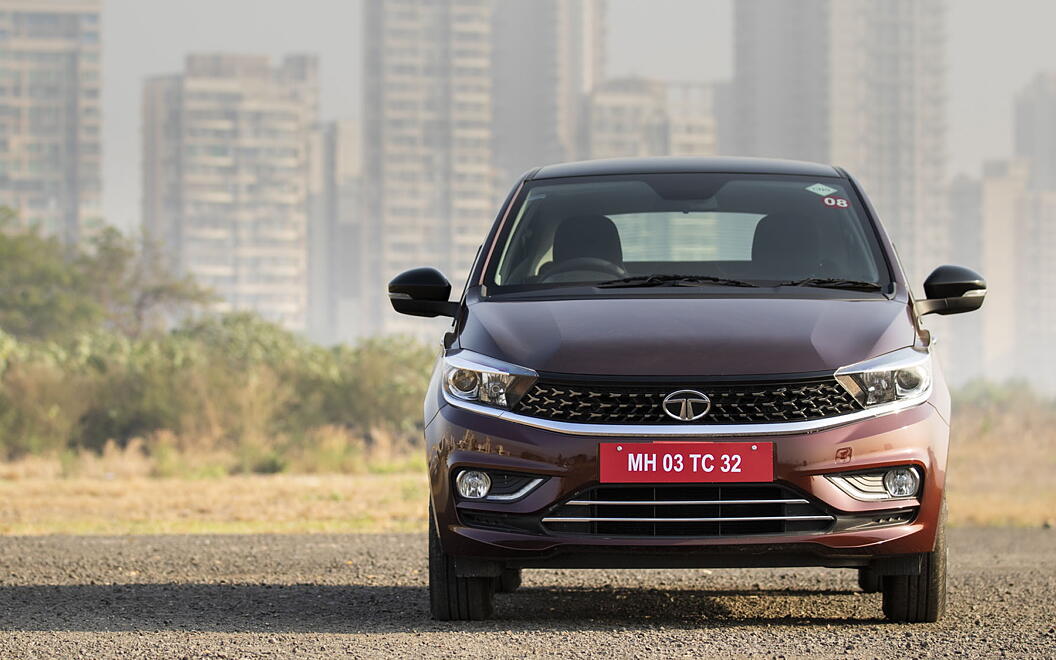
x=691, y=119
x=338, y=253
x=1036, y=129
x=225, y=177
x=726, y=124
x=428, y=143
x=548, y=55
x=50, y=119
x=961, y=337
x=1004, y=225
x=859, y=84
x=632, y=117
x=627, y=118
x=1019, y=262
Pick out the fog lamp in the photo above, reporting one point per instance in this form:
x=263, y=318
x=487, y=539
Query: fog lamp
x=901, y=482
x=473, y=484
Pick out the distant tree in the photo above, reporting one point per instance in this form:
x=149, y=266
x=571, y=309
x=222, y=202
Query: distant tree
x=42, y=294
x=49, y=291
x=132, y=282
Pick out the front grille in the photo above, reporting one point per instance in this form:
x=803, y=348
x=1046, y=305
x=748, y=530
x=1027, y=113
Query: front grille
x=688, y=510
x=751, y=403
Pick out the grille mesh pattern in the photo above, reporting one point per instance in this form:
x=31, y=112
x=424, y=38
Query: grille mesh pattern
x=688, y=510
x=602, y=403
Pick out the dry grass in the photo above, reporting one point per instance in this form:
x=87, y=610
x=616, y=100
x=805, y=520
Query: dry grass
x=1002, y=468
x=985, y=489
x=337, y=503
x=237, y=504
x=1002, y=471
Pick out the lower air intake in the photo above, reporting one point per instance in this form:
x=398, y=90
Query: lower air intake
x=688, y=510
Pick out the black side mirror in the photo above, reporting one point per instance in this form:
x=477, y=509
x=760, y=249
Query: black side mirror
x=952, y=290
x=422, y=292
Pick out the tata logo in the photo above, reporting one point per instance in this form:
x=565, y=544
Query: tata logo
x=686, y=405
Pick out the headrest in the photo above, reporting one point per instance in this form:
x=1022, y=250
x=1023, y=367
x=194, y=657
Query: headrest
x=786, y=247
x=587, y=236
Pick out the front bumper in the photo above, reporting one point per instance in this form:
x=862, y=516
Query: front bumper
x=457, y=438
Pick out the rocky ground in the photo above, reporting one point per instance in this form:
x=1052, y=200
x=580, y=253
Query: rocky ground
x=365, y=596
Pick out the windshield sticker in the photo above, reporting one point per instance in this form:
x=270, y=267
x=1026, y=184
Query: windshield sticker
x=821, y=189
x=836, y=202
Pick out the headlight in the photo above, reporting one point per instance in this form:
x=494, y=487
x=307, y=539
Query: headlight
x=480, y=379
x=902, y=375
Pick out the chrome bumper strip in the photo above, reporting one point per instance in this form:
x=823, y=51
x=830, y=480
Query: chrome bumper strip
x=528, y=487
x=867, y=488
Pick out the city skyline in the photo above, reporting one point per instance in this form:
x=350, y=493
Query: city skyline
x=148, y=37
x=280, y=208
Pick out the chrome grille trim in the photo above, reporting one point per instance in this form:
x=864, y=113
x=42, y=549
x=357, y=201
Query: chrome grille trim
x=677, y=502
x=699, y=510
x=565, y=519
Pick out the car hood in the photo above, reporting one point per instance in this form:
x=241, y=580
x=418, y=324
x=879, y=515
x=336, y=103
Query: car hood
x=686, y=336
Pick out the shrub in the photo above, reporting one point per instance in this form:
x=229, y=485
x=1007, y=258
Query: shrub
x=234, y=386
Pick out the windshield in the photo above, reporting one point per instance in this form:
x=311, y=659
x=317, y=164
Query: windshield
x=663, y=230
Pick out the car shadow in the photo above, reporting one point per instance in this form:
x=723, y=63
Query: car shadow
x=297, y=608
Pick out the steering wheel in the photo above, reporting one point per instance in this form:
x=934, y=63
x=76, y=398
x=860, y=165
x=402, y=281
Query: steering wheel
x=591, y=264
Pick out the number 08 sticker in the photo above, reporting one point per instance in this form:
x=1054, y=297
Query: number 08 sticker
x=835, y=202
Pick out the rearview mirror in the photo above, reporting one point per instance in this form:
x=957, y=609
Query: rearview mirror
x=422, y=292
x=952, y=290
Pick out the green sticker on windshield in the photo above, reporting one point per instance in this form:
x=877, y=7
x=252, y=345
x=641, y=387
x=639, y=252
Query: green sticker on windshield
x=821, y=189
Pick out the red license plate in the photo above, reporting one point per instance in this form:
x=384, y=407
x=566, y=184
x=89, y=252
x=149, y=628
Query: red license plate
x=686, y=462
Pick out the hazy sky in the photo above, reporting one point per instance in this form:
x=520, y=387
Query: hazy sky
x=994, y=49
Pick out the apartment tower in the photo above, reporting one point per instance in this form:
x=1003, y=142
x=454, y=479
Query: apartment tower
x=428, y=143
x=225, y=177
x=1035, y=129
x=859, y=84
x=338, y=251
x=50, y=119
x=548, y=56
x=634, y=117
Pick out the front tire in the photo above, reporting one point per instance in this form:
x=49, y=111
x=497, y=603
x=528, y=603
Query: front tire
x=453, y=598
x=919, y=598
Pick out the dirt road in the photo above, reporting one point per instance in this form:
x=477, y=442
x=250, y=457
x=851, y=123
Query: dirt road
x=364, y=596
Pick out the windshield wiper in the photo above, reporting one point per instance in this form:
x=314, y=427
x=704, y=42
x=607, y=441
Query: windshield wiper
x=671, y=280
x=834, y=283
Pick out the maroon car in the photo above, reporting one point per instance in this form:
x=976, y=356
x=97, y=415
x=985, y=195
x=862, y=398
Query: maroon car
x=687, y=363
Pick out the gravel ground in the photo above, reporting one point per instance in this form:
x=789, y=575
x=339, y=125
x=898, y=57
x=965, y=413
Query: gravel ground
x=365, y=595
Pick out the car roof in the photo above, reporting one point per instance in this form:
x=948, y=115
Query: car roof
x=668, y=165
